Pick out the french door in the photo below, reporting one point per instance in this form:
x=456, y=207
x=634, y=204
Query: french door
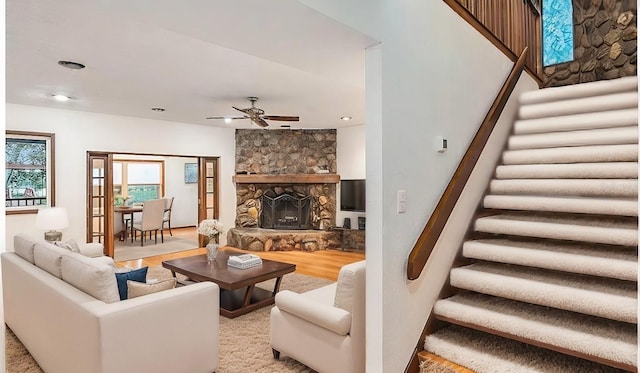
x=208, y=200
x=100, y=200
x=100, y=197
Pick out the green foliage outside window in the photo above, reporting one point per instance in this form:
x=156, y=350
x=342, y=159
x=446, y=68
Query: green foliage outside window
x=27, y=179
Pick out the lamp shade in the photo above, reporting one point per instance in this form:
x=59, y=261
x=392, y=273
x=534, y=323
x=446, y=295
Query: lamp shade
x=52, y=218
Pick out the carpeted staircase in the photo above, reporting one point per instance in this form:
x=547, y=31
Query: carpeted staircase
x=552, y=284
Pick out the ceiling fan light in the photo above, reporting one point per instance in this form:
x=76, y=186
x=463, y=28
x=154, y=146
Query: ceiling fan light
x=61, y=98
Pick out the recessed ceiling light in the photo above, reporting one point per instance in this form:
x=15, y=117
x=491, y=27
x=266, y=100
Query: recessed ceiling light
x=158, y=109
x=345, y=118
x=227, y=120
x=61, y=98
x=71, y=65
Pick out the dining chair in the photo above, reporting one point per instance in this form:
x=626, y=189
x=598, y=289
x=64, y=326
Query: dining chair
x=167, y=213
x=119, y=227
x=151, y=220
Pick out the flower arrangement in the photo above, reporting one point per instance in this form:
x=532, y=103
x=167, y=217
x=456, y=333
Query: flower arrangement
x=210, y=228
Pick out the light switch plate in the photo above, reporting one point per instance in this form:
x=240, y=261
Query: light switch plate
x=402, y=201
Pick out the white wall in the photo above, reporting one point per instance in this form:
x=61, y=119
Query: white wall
x=433, y=75
x=350, y=155
x=78, y=132
x=185, y=203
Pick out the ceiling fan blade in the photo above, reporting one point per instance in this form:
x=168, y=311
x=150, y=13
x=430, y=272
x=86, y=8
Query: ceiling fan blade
x=246, y=111
x=228, y=117
x=281, y=118
x=260, y=122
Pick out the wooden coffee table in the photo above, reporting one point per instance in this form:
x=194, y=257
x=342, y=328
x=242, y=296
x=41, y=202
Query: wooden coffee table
x=238, y=293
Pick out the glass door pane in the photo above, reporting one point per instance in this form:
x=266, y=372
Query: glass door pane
x=99, y=195
x=208, y=187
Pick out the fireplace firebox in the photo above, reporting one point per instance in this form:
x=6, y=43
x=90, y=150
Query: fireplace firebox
x=285, y=212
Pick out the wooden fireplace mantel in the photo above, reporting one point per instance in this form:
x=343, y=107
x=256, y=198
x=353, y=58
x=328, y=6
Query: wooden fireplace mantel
x=287, y=178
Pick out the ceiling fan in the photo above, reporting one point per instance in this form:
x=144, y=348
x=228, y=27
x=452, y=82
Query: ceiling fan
x=257, y=115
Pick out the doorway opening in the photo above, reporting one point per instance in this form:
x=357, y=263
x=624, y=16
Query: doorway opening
x=119, y=183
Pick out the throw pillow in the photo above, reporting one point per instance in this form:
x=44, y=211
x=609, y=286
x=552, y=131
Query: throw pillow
x=137, y=289
x=70, y=245
x=139, y=275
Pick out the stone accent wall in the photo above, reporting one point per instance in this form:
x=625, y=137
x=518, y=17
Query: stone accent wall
x=286, y=151
x=272, y=152
x=605, y=45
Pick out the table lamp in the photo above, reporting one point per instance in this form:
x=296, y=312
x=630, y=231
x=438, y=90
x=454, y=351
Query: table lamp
x=51, y=219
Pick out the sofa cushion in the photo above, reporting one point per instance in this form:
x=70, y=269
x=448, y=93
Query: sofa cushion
x=91, y=276
x=138, y=289
x=139, y=275
x=70, y=245
x=23, y=247
x=345, y=289
x=48, y=257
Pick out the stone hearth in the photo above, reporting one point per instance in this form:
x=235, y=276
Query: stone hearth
x=258, y=239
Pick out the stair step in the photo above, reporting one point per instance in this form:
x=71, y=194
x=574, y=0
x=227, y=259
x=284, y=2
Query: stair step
x=578, y=335
x=597, y=88
x=573, y=154
x=619, y=262
x=605, y=170
x=604, y=119
x=596, y=296
x=486, y=353
x=602, y=206
x=608, y=136
x=576, y=187
x=614, y=101
x=582, y=229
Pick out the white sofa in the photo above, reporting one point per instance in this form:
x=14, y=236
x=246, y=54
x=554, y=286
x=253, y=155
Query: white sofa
x=324, y=328
x=69, y=330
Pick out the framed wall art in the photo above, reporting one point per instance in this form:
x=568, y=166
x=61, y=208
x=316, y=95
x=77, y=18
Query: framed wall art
x=190, y=173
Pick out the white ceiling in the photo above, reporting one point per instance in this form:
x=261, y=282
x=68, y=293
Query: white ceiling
x=194, y=58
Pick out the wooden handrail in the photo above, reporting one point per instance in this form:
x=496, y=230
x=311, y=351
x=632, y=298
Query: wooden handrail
x=431, y=232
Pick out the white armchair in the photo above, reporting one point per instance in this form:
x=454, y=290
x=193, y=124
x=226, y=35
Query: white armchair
x=323, y=328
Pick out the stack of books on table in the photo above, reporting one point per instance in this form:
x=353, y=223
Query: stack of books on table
x=244, y=261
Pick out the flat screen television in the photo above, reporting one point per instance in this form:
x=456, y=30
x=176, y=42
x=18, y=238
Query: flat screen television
x=352, y=195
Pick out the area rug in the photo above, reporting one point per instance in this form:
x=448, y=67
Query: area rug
x=244, y=341
x=127, y=250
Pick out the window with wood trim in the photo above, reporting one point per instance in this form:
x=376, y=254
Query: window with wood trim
x=29, y=171
x=135, y=181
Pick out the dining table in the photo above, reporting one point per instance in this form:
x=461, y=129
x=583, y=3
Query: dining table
x=127, y=210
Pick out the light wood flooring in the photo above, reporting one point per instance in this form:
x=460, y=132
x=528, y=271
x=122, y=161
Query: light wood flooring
x=323, y=263
x=456, y=368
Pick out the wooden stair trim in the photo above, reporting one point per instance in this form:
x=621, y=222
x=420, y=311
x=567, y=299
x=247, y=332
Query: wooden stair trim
x=544, y=345
x=431, y=232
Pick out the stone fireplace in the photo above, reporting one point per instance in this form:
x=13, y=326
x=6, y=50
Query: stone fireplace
x=285, y=190
x=319, y=203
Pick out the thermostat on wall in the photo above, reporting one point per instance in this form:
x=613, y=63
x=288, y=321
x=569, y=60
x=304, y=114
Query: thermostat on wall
x=441, y=144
